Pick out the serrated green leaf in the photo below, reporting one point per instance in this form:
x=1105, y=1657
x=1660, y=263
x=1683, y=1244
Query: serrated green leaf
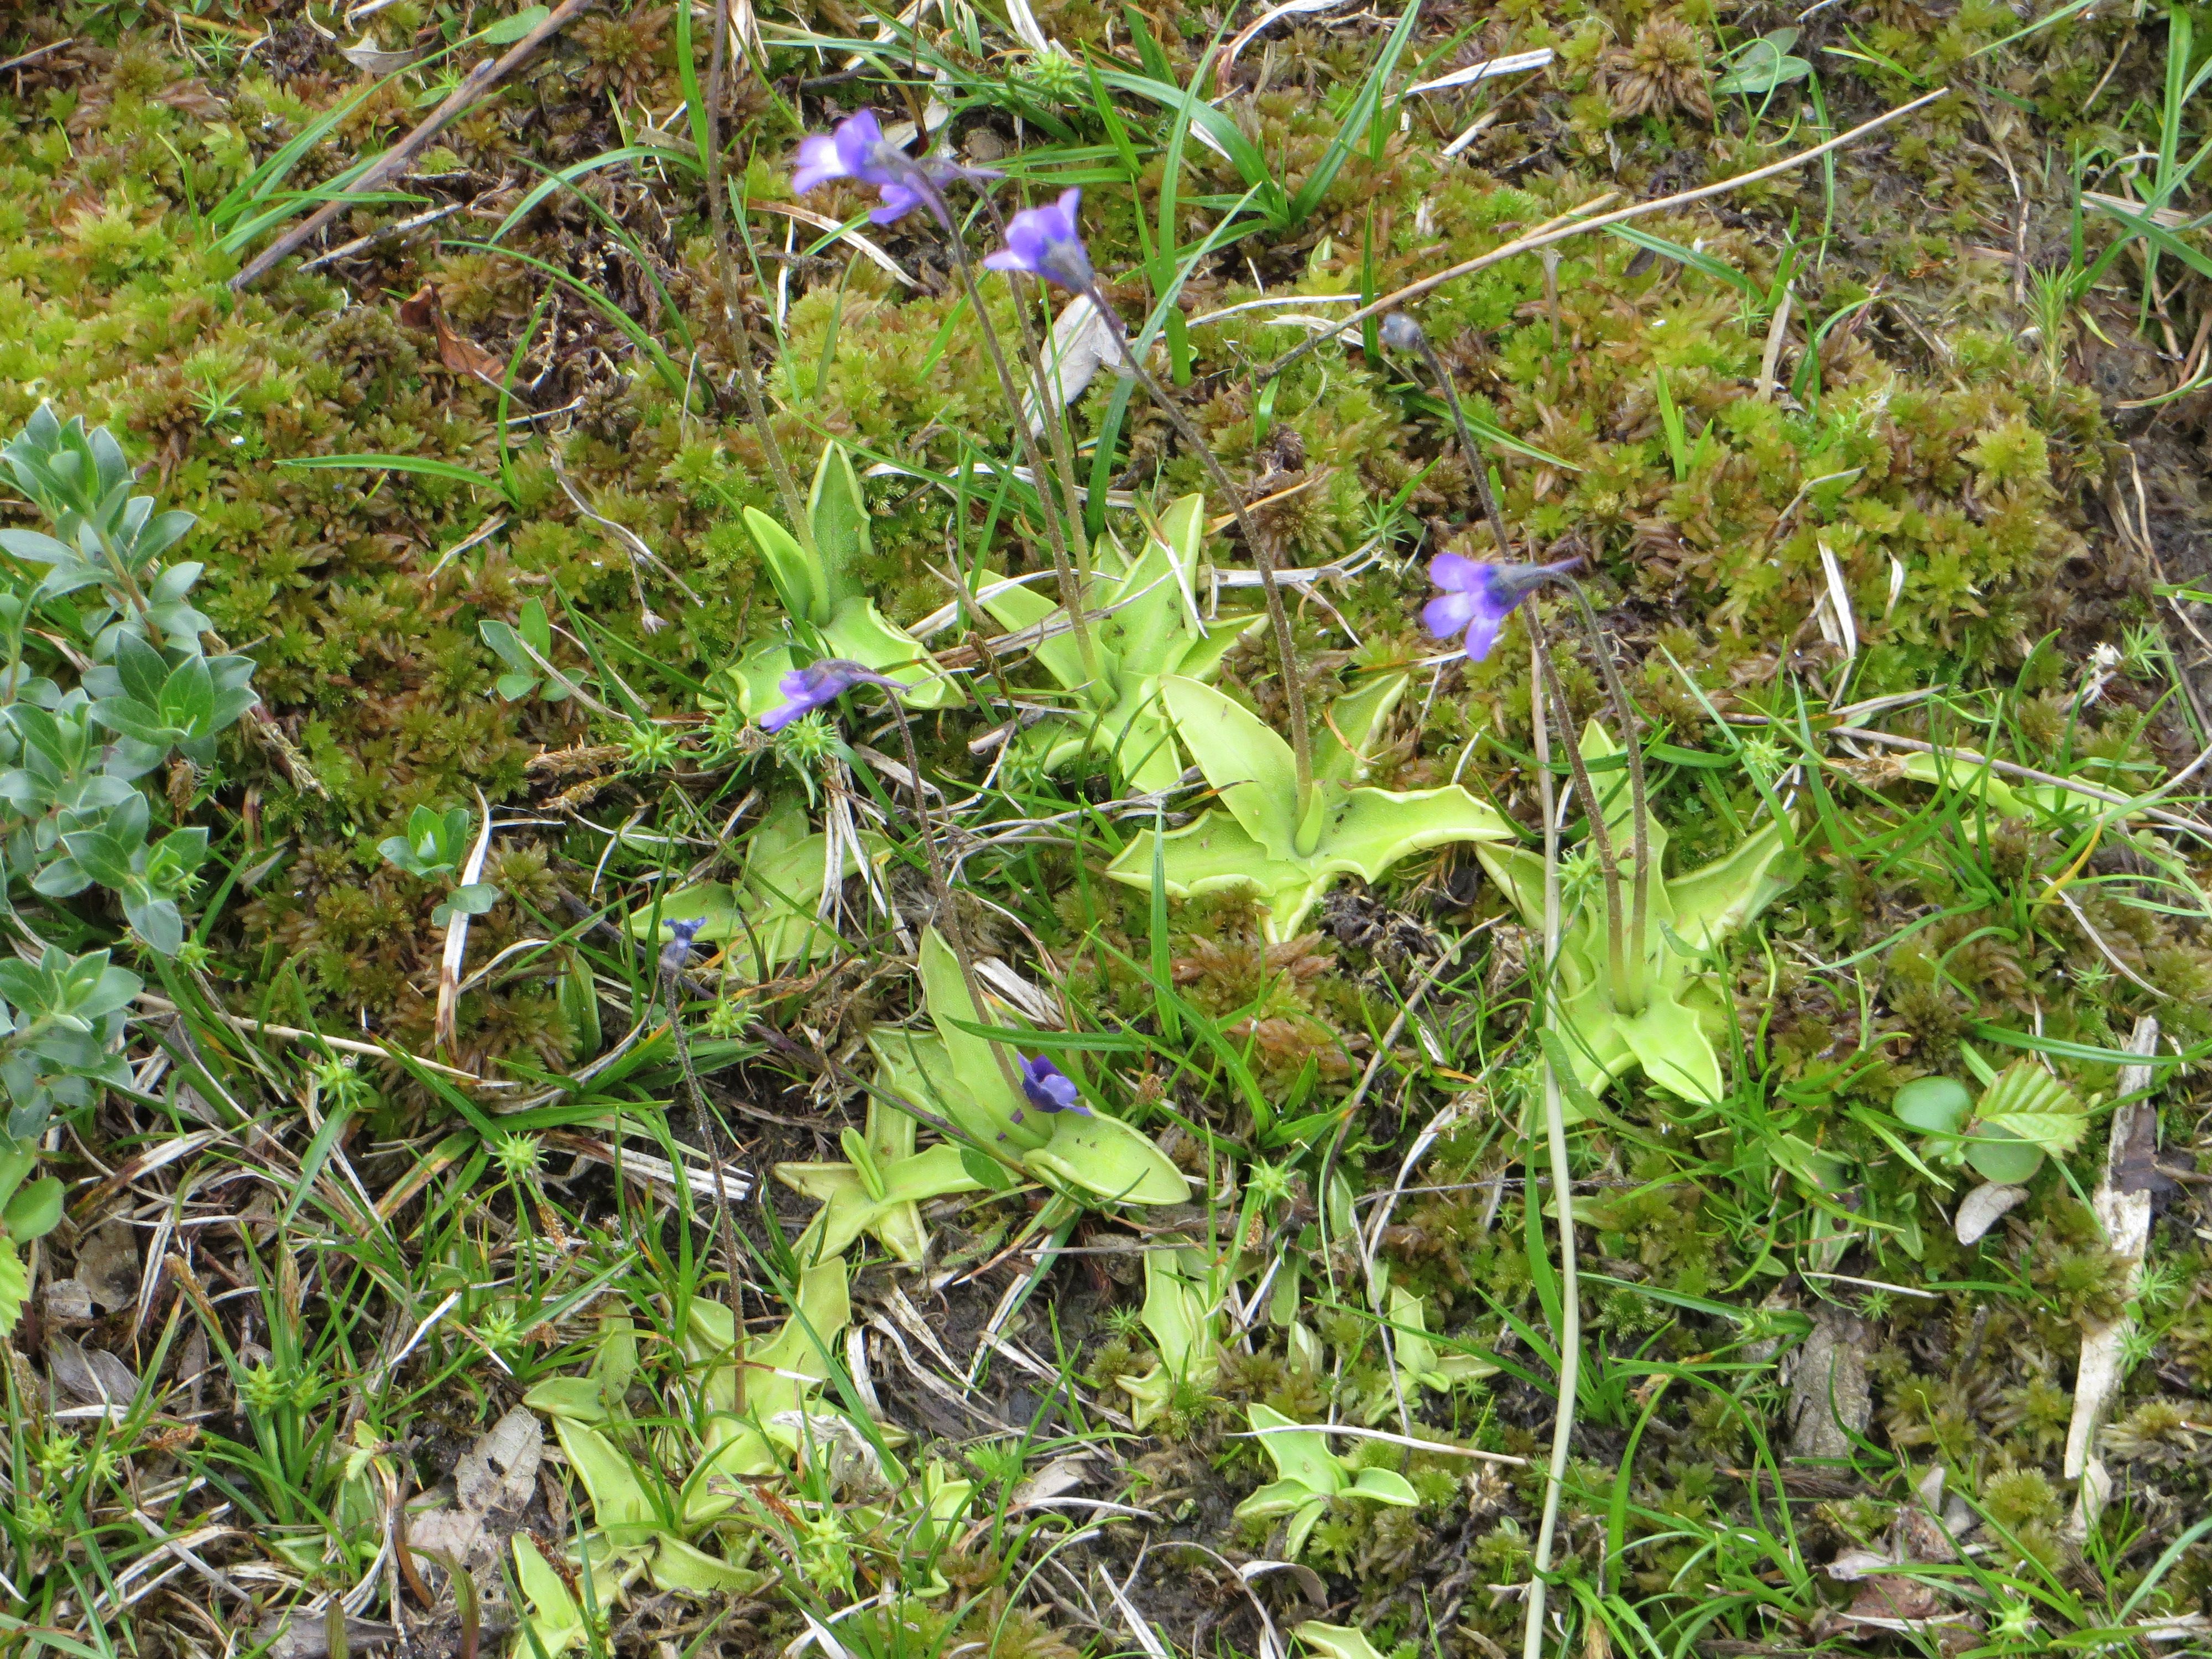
x=2056, y=1132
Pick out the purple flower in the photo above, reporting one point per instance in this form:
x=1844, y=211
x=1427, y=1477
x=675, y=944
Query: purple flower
x=1044, y=242
x=678, y=951
x=1477, y=598
x=1050, y=1089
x=856, y=149
x=817, y=685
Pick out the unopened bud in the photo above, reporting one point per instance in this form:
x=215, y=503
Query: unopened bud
x=1400, y=332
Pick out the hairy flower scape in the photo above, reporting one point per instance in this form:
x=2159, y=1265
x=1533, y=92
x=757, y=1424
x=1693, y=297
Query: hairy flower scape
x=423, y=773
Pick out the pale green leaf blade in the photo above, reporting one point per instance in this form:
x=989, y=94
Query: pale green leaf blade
x=1355, y=720
x=618, y=1501
x=1108, y=1160
x=980, y=1097
x=858, y=631
x=1243, y=757
x=1386, y=1487
x=1714, y=903
x=799, y=580
x=838, y=510
x=1299, y=1453
x=1670, y=1042
x=1376, y=828
x=1021, y=607
x=1213, y=855
x=678, y=1566
x=937, y=1173
x=555, y=1622
x=1519, y=874
x=1336, y=1641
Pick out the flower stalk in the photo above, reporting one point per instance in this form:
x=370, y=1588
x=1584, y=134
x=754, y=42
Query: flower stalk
x=1601, y=838
x=858, y=150
x=733, y=310
x=1263, y=560
x=1400, y=332
x=1046, y=244
x=1569, y=1334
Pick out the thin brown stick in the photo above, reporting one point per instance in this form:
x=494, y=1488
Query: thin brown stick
x=480, y=80
x=1530, y=243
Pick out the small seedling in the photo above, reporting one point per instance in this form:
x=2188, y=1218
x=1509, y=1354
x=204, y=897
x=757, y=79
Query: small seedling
x=2025, y=1114
x=1418, y=1359
x=1311, y=1477
x=525, y=647
x=1152, y=631
x=825, y=593
x=436, y=845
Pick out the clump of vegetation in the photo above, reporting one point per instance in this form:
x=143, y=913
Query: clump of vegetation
x=744, y=883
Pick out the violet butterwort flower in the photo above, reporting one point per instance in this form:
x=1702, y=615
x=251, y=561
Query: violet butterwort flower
x=1478, y=597
x=1044, y=242
x=1049, y=1089
x=856, y=149
x=817, y=685
x=677, y=952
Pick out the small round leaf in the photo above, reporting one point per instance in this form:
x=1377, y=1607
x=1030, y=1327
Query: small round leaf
x=1998, y=1155
x=1934, y=1105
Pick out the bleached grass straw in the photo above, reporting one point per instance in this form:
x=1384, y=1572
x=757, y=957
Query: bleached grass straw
x=1557, y=232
